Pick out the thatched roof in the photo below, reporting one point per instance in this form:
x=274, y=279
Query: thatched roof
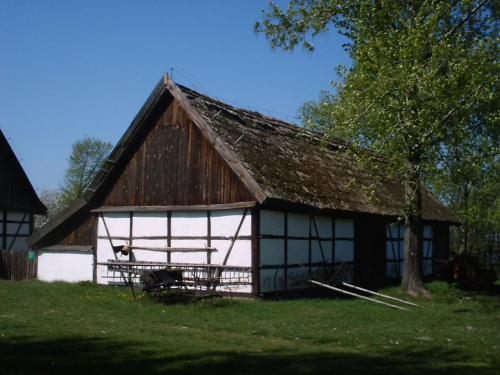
x=291, y=164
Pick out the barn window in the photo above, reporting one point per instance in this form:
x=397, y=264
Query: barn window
x=395, y=250
x=14, y=230
x=428, y=250
x=296, y=247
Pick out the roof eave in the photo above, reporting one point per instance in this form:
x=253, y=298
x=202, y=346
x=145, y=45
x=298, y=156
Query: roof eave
x=218, y=144
x=55, y=222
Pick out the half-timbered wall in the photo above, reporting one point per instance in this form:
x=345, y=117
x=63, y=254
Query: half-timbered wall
x=294, y=247
x=15, y=227
x=176, y=239
x=395, y=250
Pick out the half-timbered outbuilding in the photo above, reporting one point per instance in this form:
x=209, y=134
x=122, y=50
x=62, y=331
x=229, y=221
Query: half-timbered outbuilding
x=18, y=201
x=244, y=201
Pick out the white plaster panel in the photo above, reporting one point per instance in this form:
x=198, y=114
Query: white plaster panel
x=272, y=223
x=324, y=226
x=395, y=231
x=392, y=250
x=101, y=273
x=344, y=251
x=69, y=266
x=118, y=224
x=272, y=251
x=344, y=228
x=390, y=231
x=398, y=253
x=16, y=216
x=13, y=228
x=298, y=225
x=298, y=252
x=272, y=280
x=189, y=243
x=148, y=224
x=392, y=270
x=427, y=269
x=189, y=223
x=317, y=256
x=241, y=253
x=427, y=231
x=221, y=246
x=195, y=257
x=105, y=251
x=297, y=278
x=428, y=249
x=149, y=255
x=146, y=243
x=19, y=243
x=225, y=223
x=236, y=288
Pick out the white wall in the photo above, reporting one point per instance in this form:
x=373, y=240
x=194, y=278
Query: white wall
x=189, y=229
x=69, y=266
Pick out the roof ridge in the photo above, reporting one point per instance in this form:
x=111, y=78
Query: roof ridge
x=333, y=141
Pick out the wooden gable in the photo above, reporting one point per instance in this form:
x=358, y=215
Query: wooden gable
x=16, y=191
x=172, y=163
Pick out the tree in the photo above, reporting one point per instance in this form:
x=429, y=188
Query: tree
x=468, y=182
x=422, y=72
x=52, y=200
x=86, y=158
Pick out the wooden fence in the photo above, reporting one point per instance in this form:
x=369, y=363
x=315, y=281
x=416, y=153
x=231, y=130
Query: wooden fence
x=18, y=265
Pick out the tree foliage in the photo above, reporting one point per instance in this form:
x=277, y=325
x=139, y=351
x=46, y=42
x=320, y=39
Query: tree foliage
x=423, y=84
x=84, y=162
x=52, y=200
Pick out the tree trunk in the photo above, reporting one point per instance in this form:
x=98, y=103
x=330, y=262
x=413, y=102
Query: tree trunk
x=464, y=229
x=464, y=238
x=412, y=270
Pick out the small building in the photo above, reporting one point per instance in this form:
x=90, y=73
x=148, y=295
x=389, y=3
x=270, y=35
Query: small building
x=18, y=201
x=227, y=194
x=18, y=205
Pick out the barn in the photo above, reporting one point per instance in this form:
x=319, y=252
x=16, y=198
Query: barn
x=242, y=202
x=18, y=205
x=18, y=201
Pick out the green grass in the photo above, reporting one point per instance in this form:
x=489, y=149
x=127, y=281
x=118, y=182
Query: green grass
x=60, y=328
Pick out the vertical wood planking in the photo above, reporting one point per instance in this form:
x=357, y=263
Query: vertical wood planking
x=176, y=165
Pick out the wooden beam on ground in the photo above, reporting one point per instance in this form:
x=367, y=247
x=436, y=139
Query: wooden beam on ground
x=357, y=295
x=379, y=294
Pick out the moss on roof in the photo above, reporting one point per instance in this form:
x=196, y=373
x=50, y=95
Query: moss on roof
x=296, y=165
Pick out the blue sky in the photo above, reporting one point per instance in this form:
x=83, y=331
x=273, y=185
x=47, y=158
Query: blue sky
x=70, y=69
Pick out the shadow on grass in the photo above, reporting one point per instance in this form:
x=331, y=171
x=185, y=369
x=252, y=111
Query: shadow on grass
x=74, y=355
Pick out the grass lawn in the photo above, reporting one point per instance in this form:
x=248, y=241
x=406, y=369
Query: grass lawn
x=58, y=328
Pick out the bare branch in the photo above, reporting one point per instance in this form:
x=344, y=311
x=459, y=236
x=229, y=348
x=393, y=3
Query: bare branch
x=465, y=19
